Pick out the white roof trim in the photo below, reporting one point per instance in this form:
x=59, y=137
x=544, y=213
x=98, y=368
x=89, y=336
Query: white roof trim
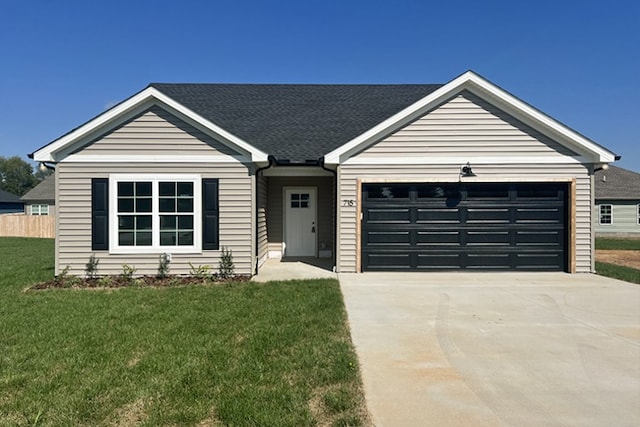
x=153, y=158
x=483, y=88
x=462, y=159
x=148, y=95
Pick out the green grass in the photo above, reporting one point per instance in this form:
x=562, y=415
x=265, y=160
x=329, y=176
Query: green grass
x=245, y=354
x=618, y=244
x=620, y=272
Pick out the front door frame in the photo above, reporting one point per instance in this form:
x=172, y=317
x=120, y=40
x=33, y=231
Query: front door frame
x=313, y=190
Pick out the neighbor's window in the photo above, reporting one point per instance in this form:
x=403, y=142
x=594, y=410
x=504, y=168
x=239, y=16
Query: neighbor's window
x=157, y=212
x=638, y=214
x=606, y=214
x=39, y=209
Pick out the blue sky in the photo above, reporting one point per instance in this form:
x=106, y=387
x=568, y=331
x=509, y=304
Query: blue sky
x=63, y=62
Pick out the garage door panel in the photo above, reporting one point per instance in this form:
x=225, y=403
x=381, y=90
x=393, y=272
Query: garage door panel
x=400, y=215
x=539, y=215
x=490, y=238
x=438, y=238
x=437, y=215
x=539, y=238
x=438, y=261
x=488, y=215
x=543, y=261
x=387, y=261
x=488, y=260
x=389, y=238
x=495, y=226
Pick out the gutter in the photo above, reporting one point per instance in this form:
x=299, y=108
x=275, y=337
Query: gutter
x=272, y=161
x=334, y=253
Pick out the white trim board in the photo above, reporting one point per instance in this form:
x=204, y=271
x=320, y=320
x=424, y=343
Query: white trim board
x=152, y=158
x=461, y=160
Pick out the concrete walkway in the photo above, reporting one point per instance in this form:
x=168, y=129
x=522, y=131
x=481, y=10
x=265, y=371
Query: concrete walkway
x=295, y=269
x=543, y=349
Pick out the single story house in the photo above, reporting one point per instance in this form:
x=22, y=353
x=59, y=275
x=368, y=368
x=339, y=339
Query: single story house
x=617, y=202
x=455, y=176
x=41, y=199
x=10, y=203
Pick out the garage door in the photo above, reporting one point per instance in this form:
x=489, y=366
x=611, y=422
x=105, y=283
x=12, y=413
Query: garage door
x=477, y=226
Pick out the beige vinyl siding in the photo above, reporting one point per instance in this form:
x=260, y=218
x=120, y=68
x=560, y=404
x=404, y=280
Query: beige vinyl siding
x=348, y=216
x=73, y=244
x=263, y=243
x=465, y=124
x=624, y=215
x=276, y=204
x=156, y=132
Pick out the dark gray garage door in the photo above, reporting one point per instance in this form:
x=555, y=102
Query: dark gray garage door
x=480, y=226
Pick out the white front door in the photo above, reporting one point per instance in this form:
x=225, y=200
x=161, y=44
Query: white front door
x=300, y=221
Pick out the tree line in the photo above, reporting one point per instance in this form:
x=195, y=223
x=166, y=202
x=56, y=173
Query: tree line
x=18, y=176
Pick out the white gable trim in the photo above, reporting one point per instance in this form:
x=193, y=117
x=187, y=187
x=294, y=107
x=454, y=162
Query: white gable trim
x=462, y=159
x=153, y=158
x=60, y=148
x=474, y=83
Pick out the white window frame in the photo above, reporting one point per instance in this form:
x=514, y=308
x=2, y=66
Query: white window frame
x=600, y=207
x=638, y=213
x=38, y=211
x=155, y=247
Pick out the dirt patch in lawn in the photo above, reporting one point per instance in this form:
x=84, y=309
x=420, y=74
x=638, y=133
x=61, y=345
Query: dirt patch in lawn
x=626, y=258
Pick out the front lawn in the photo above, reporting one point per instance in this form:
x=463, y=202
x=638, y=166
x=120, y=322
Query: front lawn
x=620, y=244
x=620, y=272
x=275, y=354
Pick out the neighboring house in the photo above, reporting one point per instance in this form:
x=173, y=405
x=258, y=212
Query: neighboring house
x=617, y=202
x=377, y=177
x=41, y=199
x=10, y=203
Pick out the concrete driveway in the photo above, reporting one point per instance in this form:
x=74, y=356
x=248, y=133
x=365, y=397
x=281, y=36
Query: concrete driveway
x=513, y=349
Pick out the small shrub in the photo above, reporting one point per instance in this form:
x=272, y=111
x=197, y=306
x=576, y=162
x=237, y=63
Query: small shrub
x=105, y=281
x=127, y=272
x=200, y=272
x=91, y=268
x=163, y=265
x=67, y=280
x=225, y=265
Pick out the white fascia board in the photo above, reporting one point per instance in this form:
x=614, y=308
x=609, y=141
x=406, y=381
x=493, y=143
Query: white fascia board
x=149, y=96
x=483, y=88
x=463, y=159
x=153, y=158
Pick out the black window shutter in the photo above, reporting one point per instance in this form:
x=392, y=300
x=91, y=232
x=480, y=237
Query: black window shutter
x=210, y=232
x=99, y=214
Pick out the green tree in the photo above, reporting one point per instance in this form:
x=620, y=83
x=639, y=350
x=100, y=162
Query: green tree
x=16, y=175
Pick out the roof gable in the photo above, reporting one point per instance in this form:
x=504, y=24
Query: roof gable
x=45, y=190
x=484, y=89
x=617, y=184
x=130, y=108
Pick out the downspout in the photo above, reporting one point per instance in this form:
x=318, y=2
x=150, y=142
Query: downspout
x=335, y=212
x=272, y=161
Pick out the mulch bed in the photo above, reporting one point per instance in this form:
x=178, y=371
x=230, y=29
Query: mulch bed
x=110, y=282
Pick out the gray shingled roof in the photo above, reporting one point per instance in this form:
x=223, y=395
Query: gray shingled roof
x=5, y=197
x=46, y=190
x=295, y=122
x=617, y=183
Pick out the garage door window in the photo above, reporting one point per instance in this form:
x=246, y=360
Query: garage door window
x=606, y=214
x=386, y=192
